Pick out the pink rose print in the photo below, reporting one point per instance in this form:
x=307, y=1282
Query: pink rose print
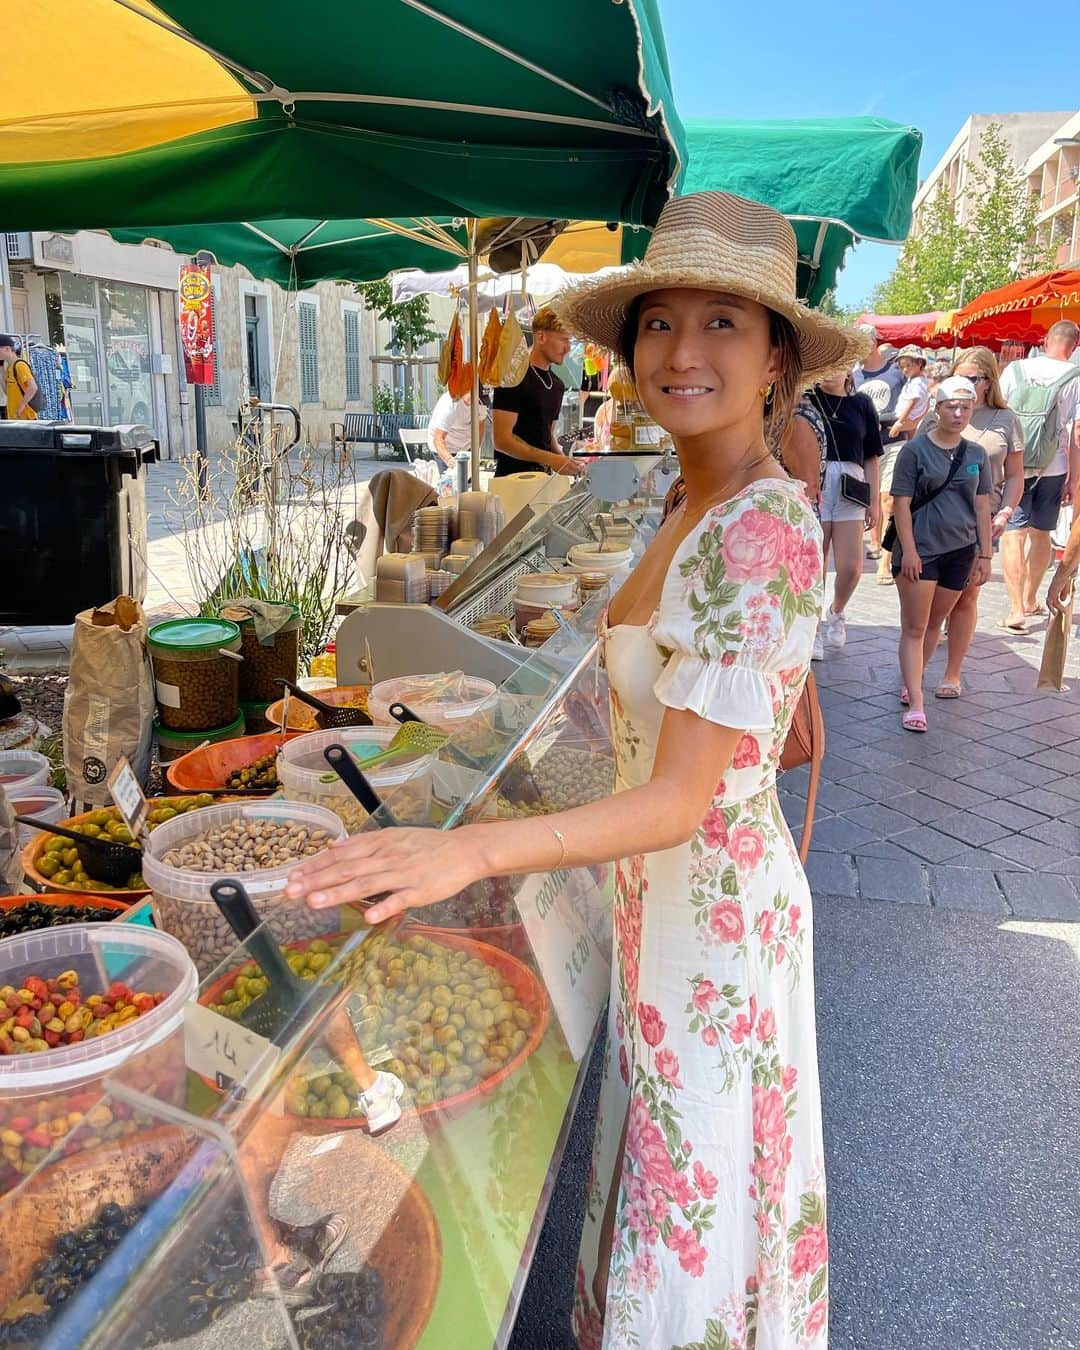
x=740, y=1029
x=780, y=953
x=687, y=1147
x=810, y=1252
x=817, y=1318
x=803, y=561
x=644, y=1274
x=753, y=546
x=766, y=1027
x=710, y=1036
x=746, y=847
x=667, y=1066
x=714, y=830
x=624, y=1065
x=682, y=1190
x=770, y=1119
x=646, y=1147
x=766, y=926
x=747, y=753
x=705, y=1181
x=706, y=993
x=794, y=915
x=659, y=1206
x=788, y=1077
x=653, y=1025
x=691, y=1253
x=726, y=921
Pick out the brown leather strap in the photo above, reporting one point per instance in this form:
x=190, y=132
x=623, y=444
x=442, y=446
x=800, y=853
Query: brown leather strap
x=817, y=753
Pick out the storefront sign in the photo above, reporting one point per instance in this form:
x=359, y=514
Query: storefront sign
x=197, y=323
x=556, y=908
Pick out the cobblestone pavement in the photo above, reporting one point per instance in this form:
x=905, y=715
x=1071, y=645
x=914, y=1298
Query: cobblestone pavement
x=982, y=813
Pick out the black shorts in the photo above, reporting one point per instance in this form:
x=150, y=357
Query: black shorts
x=951, y=570
x=1040, y=505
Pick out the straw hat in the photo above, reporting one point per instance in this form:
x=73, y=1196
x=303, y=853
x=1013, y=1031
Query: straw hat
x=715, y=241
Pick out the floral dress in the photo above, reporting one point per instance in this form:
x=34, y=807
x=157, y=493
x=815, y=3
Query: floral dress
x=720, y=1239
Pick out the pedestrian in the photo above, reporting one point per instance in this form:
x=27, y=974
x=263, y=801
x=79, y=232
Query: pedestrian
x=912, y=404
x=881, y=371
x=941, y=494
x=850, y=500
x=804, y=451
x=995, y=427
x=708, y=1143
x=19, y=382
x=450, y=432
x=937, y=371
x=1045, y=392
x=525, y=416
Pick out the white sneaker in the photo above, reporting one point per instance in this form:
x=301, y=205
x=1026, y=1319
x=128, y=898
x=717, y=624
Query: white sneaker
x=382, y=1102
x=818, y=654
x=835, y=629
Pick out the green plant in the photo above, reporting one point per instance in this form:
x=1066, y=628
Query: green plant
x=388, y=400
x=410, y=322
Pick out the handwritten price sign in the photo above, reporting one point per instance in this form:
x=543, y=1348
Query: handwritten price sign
x=223, y=1051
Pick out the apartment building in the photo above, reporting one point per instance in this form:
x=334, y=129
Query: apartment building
x=1053, y=174
x=1024, y=133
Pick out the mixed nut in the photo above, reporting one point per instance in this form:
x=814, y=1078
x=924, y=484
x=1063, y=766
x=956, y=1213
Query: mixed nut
x=248, y=844
x=47, y=1014
x=565, y=778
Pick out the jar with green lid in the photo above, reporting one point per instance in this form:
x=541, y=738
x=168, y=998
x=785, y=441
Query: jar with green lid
x=266, y=662
x=173, y=744
x=196, y=673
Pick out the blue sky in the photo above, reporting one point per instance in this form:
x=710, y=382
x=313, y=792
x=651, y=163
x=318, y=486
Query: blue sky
x=782, y=59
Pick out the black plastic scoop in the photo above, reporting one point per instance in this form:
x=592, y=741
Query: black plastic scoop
x=329, y=716
x=110, y=862
x=272, y=1013
x=356, y=781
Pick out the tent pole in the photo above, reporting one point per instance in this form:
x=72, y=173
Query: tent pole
x=474, y=357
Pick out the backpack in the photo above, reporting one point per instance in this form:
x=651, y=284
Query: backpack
x=1037, y=407
x=38, y=401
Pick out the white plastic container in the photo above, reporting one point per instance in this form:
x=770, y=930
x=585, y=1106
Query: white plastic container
x=467, y=716
x=547, y=588
x=44, y=803
x=23, y=769
x=147, y=1053
x=590, y=558
x=403, y=784
x=181, y=899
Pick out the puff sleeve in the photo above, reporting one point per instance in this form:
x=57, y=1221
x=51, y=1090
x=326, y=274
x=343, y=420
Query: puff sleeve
x=740, y=607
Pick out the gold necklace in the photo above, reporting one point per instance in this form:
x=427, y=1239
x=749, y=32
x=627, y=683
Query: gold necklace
x=744, y=467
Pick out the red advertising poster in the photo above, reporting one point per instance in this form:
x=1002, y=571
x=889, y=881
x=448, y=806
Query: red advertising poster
x=197, y=323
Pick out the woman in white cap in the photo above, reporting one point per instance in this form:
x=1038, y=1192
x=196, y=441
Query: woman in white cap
x=941, y=501
x=706, y=1207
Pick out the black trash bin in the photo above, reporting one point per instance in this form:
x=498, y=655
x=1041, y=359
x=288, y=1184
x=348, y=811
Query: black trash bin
x=72, y=518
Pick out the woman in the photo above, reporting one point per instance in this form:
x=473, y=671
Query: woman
x=912, y=404
x=853, y=451
x=941, y=496
x=706, y=1208
x=996, y=428
x=804, y=450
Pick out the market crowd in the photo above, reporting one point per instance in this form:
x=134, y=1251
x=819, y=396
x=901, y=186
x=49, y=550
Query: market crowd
x=940, y=468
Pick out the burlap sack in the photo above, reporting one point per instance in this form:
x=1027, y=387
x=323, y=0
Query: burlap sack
x=108, y=706
x=11, y=872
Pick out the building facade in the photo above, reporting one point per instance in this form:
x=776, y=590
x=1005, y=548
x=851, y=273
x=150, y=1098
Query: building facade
x=113, y=308
x=1053, y=174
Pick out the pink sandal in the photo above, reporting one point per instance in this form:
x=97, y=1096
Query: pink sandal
x=905, y=697
x=913, y=720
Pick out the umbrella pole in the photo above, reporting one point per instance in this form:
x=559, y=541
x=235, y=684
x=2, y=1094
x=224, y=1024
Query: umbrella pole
x=474, y=357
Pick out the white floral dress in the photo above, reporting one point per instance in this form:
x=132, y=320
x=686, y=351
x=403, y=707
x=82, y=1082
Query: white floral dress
x=720, y=1240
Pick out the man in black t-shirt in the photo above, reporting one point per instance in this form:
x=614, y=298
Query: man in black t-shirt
x=525, y=416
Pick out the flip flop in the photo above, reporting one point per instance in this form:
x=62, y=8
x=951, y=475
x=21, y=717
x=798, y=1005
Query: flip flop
x=883, y=579
x=949, y=689
x=913, y=721
x=1012, y=627
x=1039, y=612
x=905, y=697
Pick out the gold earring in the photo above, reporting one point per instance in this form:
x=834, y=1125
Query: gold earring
x=765, y=391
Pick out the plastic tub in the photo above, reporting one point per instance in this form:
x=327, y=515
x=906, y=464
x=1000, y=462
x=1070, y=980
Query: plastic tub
x=196, y=672
x=303, y=718
x=547, y=588
x=404, y=784
x=592, y=558
x=462, y=705
x=266, y=663
x=173, y=745
x=46, y=803
x=23, y=769
x=39, y=1093
x=525, y=612
x=181, y=898
x=206, y=769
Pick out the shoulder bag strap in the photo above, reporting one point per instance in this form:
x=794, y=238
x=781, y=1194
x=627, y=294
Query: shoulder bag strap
x=957, y=460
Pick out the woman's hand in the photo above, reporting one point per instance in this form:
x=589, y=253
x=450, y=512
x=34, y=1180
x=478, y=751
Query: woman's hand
x=911, y=565
x=980, y=572
x=1057, y=597
x=873, y=513
x=406, y=868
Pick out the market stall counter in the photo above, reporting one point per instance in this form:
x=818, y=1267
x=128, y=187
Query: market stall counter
x=225, y=1184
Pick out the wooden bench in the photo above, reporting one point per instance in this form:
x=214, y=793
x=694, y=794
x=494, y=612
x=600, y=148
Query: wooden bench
x=374, y=429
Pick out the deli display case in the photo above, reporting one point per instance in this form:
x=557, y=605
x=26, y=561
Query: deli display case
x=223, y=1185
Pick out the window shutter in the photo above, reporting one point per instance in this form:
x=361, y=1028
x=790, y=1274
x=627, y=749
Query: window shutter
x=352, y=355
x=212, y=392
x=308, y=323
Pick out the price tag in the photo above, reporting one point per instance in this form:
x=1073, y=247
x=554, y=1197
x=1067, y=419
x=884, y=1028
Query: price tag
x=554, y=907
x=223, y=1051
x=129, y=797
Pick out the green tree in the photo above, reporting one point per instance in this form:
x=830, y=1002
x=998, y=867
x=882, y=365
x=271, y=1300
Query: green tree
x=410, y=322
x=948, y=263
x=845, y=313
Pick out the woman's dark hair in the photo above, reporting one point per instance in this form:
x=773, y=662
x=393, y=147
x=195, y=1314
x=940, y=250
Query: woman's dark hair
x=780, y=405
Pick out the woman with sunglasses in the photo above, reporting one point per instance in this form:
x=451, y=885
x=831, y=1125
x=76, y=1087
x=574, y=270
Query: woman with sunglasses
x=996, y=428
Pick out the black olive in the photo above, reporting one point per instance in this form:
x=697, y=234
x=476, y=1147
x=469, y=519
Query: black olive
x=58, y=1293
x=66, y=1243
x=111, y=1214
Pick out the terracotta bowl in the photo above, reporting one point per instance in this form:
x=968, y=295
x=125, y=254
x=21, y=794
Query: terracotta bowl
x=207, y=768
